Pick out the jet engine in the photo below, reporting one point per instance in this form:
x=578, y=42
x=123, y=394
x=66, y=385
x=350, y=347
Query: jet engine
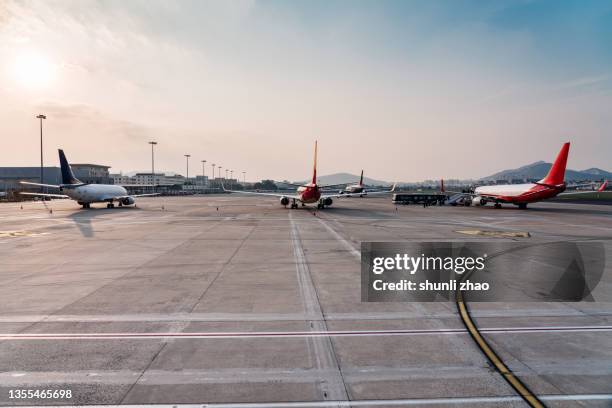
x=284, y=201
x=328, y=201
x=479, y=200
x=127, y=201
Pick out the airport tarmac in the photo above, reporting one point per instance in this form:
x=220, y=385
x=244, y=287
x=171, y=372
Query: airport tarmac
x=236, y=300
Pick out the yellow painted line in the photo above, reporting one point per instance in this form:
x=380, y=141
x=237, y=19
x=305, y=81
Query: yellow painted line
x=501, y=367
x=502, y=234
x=17, y=234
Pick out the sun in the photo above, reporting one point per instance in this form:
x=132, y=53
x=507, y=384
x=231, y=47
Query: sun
x=33, y=70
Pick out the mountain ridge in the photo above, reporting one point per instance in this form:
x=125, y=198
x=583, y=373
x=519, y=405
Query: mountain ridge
x=341, y=178
x=539, y=169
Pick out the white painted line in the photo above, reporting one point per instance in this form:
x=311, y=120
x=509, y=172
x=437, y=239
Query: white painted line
x=239, y=317
x=298, y=334
x=320, y=348
x=363, y=403
x=349, y=247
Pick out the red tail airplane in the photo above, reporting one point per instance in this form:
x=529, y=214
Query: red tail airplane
x=306, y=193
x=522, y=194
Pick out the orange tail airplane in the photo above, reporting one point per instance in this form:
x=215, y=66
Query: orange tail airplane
x=309, y=193
x=522, y=194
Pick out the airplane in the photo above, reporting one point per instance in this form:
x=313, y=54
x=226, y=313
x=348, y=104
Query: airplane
x=83, y=193
x=522, y=194
x=360, y=189
x=309, y=193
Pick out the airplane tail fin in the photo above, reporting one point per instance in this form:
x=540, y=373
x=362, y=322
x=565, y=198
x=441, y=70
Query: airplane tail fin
x=314, y=170
x=361, y=178
x=603, y=186
x=67, y=174
x=556, y=174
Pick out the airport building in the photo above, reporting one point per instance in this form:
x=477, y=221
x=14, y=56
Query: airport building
x=160, y=179
x=11, y=176
x=121, y=179
x=92, y=173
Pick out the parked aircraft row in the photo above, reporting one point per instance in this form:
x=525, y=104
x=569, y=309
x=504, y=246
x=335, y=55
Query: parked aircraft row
x=313, y=193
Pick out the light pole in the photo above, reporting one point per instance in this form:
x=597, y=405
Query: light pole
x=187, y=156
x=152, y=162
x=203, y=171
x=219, y=168
x=41, y=117
x=213, y=166
x=226, y=170
x=244, y=177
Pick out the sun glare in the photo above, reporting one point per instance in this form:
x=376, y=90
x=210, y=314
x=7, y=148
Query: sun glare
x=33, y=70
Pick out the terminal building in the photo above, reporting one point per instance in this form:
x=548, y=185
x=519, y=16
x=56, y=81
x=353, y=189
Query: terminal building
x=11, y=176
x=92, y=173
x=149, y=179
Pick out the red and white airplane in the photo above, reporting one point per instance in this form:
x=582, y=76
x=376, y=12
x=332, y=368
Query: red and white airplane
x=309, y=193
x=522, y=194
x=360, y=189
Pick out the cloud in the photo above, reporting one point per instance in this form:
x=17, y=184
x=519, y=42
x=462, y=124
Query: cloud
x=88, y=117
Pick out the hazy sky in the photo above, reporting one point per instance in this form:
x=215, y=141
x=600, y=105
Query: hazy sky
x=406, y=90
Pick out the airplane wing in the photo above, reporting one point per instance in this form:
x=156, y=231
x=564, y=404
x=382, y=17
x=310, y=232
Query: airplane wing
x=38, y=184
x=364, y=194
x=145, y=195
x=320, y=186
x=119, y=198
x=290, y=196
x=44, y=195
x=138, y=185
x=333, y=185
x=601, y=188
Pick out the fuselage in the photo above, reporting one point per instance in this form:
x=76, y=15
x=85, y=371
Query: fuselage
x=93, y=193
x=518, y=193
x=355, y=188
x=309, y=193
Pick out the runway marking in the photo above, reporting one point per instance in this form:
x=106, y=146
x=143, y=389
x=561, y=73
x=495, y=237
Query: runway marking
x=19, y=234
x=265, y=317
x=324, y=353
x=470, y=401
x=500, y=234
x=593, y=368
x=299, y=334
x=350, y=248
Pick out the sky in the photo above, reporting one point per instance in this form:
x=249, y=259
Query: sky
x=406, y=90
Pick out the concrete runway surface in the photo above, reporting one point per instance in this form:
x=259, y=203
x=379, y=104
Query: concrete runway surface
x=236, y=301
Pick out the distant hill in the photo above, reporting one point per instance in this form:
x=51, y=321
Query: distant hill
x=539, y=169
x=340, y=178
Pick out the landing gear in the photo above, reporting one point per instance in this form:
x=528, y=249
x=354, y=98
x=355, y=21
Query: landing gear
x=85, y=205
x=497, y=205
x=320, y=206
x=110, y=205
x=294, y=204
x=522, y=206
